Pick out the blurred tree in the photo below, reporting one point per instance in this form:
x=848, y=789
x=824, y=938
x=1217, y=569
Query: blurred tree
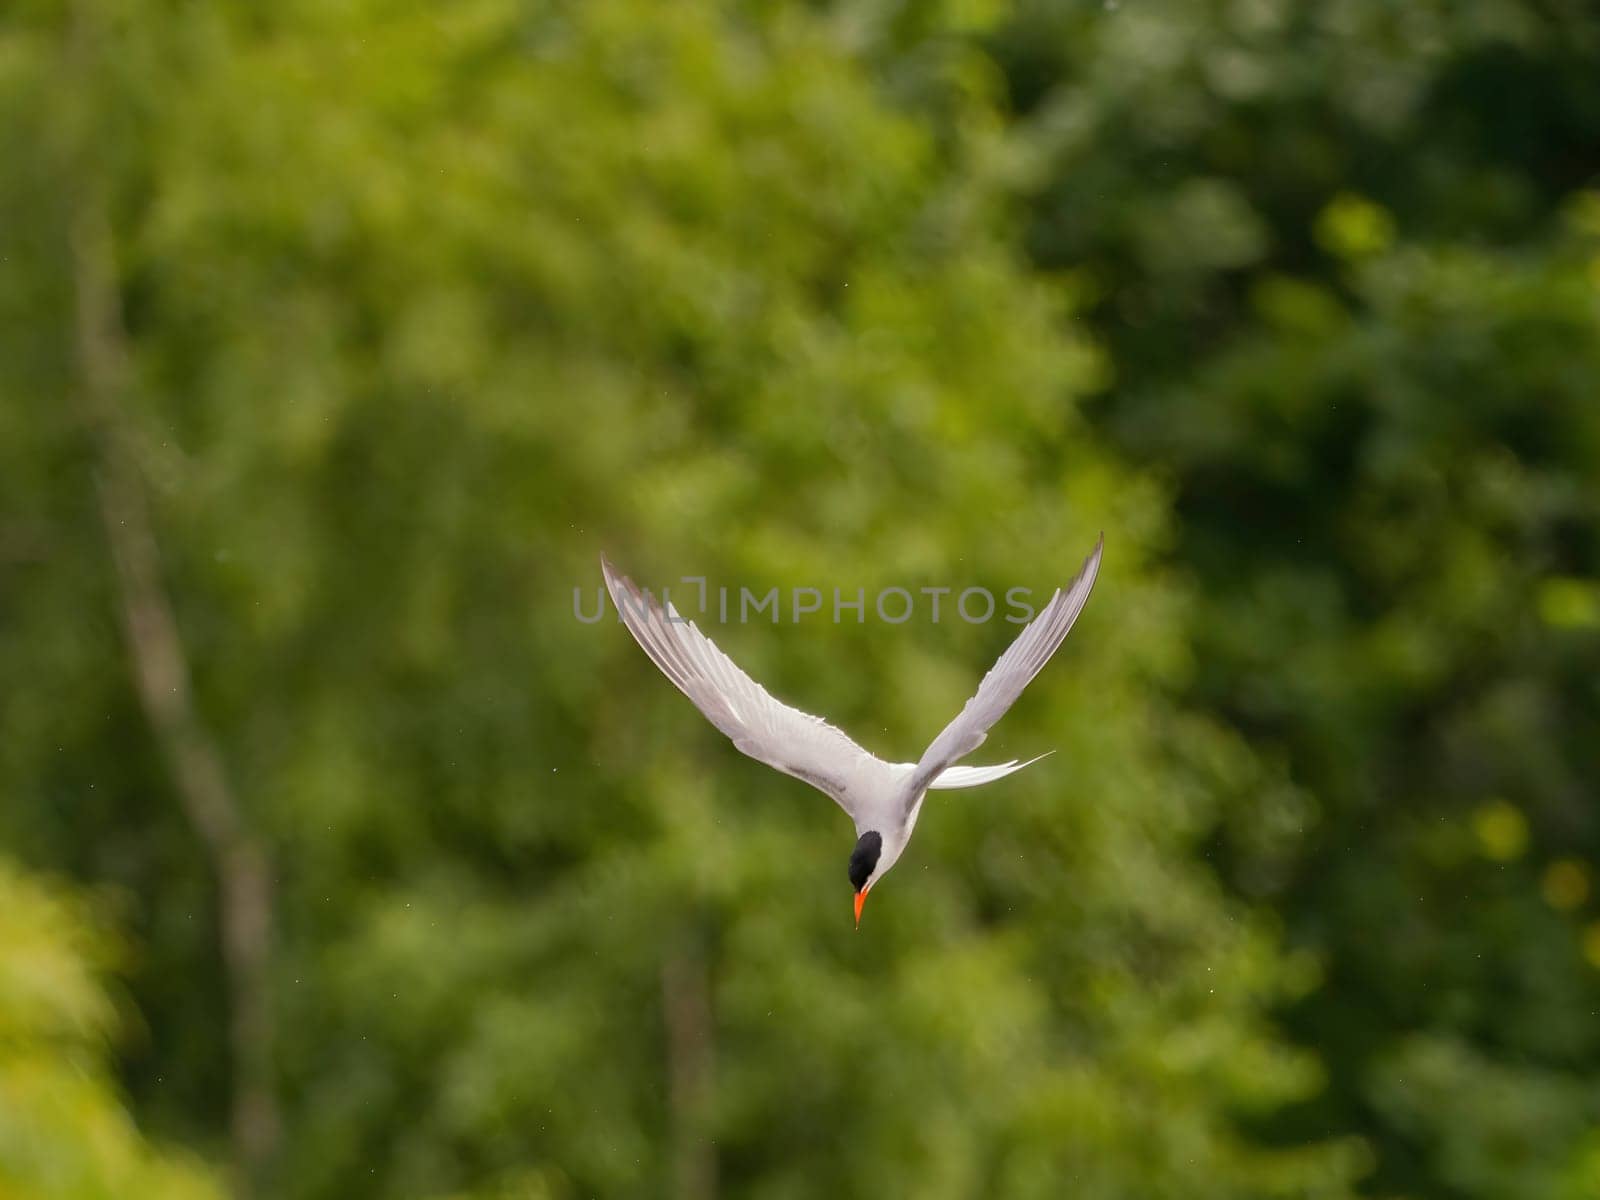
x=425, y=307
x=1344, y=268
x=63, y=1131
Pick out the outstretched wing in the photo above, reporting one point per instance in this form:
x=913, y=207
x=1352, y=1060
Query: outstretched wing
x=794, y=742
x=1012, y=672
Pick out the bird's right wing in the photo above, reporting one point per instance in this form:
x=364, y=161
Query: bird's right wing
x=1012, y=672
x=794, y=742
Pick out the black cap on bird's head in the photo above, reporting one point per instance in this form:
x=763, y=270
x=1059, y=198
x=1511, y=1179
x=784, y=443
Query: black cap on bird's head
x=863, y=861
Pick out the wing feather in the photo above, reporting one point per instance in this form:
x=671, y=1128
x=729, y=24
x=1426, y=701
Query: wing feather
x=766, y=729
x=1011, y=673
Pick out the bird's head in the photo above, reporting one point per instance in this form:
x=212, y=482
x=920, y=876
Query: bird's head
x=864, y=866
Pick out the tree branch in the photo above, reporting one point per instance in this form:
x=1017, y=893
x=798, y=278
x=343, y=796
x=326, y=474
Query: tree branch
x=161, y=671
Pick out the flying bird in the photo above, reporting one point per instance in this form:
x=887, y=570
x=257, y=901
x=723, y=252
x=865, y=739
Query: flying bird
x=884, y=799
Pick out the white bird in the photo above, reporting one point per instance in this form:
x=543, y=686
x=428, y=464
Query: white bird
x=882, y=798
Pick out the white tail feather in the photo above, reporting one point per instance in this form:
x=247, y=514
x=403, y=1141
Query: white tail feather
x=965, y=777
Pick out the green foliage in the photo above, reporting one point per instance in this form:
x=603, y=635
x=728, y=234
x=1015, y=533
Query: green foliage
x=1381, y=430
x=63, y=1131
x=424, y=314
x=425, y=308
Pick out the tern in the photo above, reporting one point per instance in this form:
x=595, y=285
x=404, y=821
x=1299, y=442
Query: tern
x=883, y=799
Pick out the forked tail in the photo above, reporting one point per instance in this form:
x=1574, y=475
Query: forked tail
x=965, y=777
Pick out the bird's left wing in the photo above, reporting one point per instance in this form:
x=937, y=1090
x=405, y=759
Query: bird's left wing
x=794, y=742
x=1014, y=670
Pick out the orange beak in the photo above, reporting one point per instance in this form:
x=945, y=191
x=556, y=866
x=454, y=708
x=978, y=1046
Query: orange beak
x=861, y=898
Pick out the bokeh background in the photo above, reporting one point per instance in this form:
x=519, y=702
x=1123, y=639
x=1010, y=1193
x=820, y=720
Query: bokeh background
x=338, y=339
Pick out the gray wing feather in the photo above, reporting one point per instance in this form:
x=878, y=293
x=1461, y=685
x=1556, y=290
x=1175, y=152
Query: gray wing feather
x=1012, y=672
x=766, y=729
